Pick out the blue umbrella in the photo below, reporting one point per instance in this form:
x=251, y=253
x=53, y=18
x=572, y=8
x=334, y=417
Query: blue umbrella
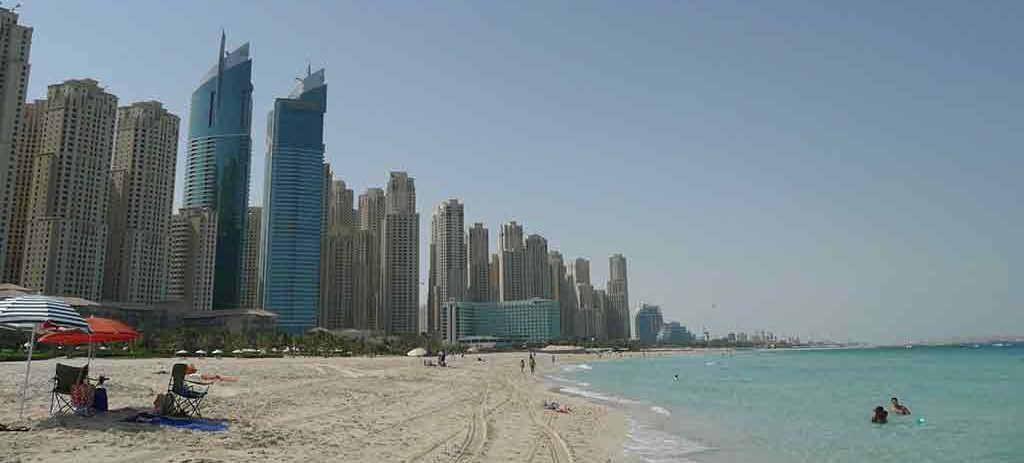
x=31, y=312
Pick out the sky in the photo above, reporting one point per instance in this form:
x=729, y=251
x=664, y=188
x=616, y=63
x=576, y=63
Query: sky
x=843, y=170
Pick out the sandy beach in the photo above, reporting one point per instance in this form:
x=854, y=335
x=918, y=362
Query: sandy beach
x=322, y=409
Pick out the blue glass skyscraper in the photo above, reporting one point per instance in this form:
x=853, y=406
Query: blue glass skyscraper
x=219, y=153
x=292, y=205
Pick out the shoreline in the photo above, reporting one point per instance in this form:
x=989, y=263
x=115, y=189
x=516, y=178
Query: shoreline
x=310, y=409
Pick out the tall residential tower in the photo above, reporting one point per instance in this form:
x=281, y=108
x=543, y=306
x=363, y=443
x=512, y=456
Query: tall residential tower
x=400, y=263
x=479, y=284
x=15, y=44
x=448, y=259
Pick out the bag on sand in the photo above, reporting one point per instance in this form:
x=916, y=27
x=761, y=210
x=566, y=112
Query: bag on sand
x=163, y=405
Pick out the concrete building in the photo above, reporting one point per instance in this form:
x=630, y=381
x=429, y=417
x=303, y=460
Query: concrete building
x=533, y=320
x=30, y=136
x=675, y=333
x=479, y=284
x=293, y=206
x=447, y=279
x=648, y=323
x=339, y=250
x=15, y=45
x=141, y=203
x=617, y=314
x=580, y=271
x=512, y=258
x=66, y=235
x=251, y=295
x=400, y=257
x=193, y=249
x=218, y=158
x=494, y=275
x=536, y=269
x=564, y=292
x=367, y=308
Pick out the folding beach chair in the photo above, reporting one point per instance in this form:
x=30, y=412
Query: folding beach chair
x=64, y=379
x=188, y=400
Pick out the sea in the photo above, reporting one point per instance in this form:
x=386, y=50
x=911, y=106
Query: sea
x=814, y=406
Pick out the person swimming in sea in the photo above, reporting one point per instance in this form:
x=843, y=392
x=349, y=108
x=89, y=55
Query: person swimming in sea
x=881, y=416
x=899, y=408
x=675, y=377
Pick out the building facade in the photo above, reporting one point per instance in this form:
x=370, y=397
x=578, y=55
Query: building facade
x=494, y=275
x=66, y=231
x=618, y=299
x=251, y=297
x=29, y=141
x=193, y=249
x=536, y=269
x=447, y=278
x=648, y=323
x=479, y=284
x=367, y=312
x=533, y=320
x=337, y=285
x=565, y=292
x=218, y=158
x=400, y=262
x=512, y=258
x=141, y=203
x=293, y=206
x=15, y=47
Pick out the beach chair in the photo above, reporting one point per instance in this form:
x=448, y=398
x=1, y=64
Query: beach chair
x=64, y=379
x=188, y=400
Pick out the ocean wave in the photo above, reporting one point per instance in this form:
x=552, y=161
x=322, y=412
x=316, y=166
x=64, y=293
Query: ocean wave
x=661, y=411
x=582, y=366
x=595, y=395
x=559, y=379
x=653, y=445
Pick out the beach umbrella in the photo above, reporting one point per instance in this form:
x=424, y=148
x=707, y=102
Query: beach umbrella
x=218, y=352
x=200, y=352
x=417, y=352
x=32, y=313
x=181, y=352
x=236, y=351
x=104, y=330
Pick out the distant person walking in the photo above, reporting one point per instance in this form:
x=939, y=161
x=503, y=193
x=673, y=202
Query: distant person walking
x=533, y=365
x=522, y=366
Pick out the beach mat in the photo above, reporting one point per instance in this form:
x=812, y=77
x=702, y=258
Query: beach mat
x=181, y=423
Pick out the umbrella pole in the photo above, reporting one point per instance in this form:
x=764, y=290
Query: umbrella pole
x=28, y=369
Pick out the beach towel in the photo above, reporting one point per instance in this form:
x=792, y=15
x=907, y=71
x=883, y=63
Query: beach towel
x=181, y=423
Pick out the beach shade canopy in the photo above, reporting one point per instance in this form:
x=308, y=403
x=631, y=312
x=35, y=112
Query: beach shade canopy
x=181, y=352
x=417, y=352
x=236, y=351
x=218, y=352
x=30, y=312
x=104, y=330
x=200, y=352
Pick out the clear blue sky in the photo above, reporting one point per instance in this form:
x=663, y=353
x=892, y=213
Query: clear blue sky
x=851, y=170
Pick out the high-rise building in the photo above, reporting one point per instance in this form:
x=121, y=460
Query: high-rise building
x=617, y=314
x=512, y=257
x=448, y=259
x=494, y=276
x=30, y=137
x=15, y=45
x=337, y=284
x=514, y=322
x=141, y=203
x=217, y=168
x=193, y=248
x=479, y=269
x=66, y=237
x=536, y=269
x=580, y=271
x=251, y=295
x=648, y=323
x=564, y=292
x=293, y=205
x=400, y=262
x=366, y=283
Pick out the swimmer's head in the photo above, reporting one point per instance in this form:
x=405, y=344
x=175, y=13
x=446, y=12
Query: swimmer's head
x=895, y=401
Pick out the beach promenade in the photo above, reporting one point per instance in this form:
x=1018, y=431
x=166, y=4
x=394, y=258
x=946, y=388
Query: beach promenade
x=322, y=409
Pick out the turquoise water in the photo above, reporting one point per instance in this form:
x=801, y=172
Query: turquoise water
x=815, y=406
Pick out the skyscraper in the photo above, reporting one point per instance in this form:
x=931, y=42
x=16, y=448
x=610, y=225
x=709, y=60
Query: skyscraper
x=536, y=269
x=564, y=292
x=66, y=235
x=293, y=205
x=141, y=203
x=15, y=44
x=618, y=299
x=494, y=275
x=512, y=256
x=217, y=168
x=400, y=266
x=448, y=260
x=648, y=323
x=29, y=141
x=192, y=252
x=367, y=309
x=479, y=269
x=337, y=284
x=580, y=271
x=251, y=296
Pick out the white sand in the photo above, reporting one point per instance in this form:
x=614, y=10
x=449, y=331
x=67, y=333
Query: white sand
x=321, y=409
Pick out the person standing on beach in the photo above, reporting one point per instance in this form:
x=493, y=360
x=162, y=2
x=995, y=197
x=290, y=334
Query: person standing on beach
x=533, y=365
x=522, y=366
